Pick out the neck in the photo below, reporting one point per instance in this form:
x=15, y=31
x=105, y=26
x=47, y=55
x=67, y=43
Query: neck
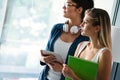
x=94, y=43
x=75, y=22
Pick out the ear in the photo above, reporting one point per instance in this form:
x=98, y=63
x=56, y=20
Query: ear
x=97, y=28
x=80, y=9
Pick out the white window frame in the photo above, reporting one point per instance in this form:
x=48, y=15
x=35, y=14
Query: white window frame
x=15, y=71
x=3, y=17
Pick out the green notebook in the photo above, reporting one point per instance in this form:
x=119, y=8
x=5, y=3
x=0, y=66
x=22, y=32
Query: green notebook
x=86, y=70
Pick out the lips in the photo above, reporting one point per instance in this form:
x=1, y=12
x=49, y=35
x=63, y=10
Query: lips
x=64, y=11
x=81, y=29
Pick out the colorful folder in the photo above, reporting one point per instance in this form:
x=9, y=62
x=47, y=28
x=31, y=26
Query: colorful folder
x=86, y=70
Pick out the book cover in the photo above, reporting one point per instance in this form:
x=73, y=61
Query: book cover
x=86, y=70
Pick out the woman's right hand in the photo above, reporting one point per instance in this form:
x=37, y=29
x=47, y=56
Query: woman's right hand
x=68, y=72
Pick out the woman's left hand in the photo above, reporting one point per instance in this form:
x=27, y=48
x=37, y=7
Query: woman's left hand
x=56, y=66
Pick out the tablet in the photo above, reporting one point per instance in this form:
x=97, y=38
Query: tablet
x=47, y=53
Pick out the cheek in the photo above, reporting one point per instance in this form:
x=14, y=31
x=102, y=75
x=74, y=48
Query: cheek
x=85, y=31
x=69, y=12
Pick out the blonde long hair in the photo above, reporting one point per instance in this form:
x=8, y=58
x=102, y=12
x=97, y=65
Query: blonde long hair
x=101, y=17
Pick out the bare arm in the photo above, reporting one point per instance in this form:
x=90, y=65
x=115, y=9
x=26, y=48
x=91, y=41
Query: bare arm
x=105, y=61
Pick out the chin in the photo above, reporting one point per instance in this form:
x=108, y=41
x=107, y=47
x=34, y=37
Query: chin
x=83, y=34
x=65, y=16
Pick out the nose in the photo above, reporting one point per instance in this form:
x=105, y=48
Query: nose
x=81, y=25
x=64, y=7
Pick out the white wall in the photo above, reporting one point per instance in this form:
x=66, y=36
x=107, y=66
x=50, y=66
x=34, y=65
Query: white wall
x=108, y=6
x=116, y=43
x=104, y=4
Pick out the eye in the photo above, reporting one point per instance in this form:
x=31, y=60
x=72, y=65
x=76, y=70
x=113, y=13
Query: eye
x=84, y=22
x=69, y=4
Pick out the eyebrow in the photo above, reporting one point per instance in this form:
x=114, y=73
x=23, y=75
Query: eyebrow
x=86, y=20
x=68, y=2
x=71, y=2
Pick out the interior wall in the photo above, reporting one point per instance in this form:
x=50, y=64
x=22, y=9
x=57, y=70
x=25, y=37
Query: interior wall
x=104, y=4
x=113, y=8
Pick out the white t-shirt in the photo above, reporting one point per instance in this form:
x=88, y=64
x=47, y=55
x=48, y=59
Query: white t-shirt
x=60, y=48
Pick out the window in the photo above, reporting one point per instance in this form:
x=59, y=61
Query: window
x=24, y=30
x=115, y=13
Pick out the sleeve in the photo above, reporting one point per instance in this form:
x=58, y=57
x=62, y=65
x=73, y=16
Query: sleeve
x=50, y=37
x=49, y=40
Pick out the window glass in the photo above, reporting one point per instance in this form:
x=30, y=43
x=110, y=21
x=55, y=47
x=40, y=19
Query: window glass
x=27, y=24
x=24, y=30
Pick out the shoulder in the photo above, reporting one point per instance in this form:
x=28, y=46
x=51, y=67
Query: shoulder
x=58, y=26
x=105, y=55
x=83, y=43
x=80, y=47
x=106, y=52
